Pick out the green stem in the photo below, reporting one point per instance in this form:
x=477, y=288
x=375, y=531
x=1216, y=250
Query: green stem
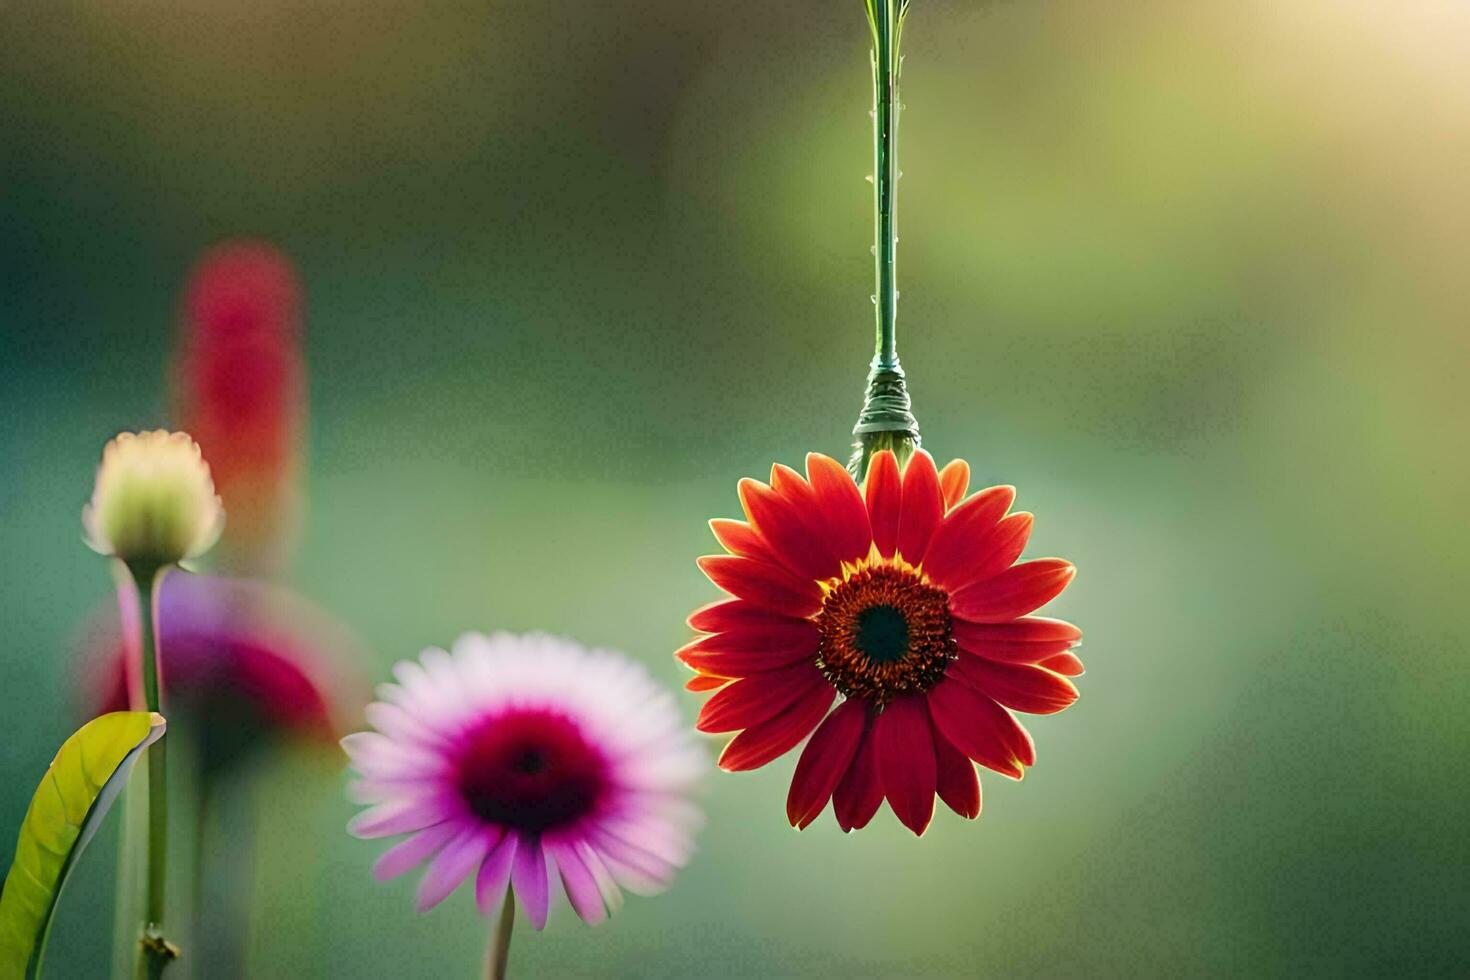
x=886, y=421
x=155, y=952
x=498, y=955
x=885, y=180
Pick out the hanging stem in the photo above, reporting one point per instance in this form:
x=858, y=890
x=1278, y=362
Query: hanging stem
x=886, y=421
x=885, y=179
x=155, y=951
x=498, y=955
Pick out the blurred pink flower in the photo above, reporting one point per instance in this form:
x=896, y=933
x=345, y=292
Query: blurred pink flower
x=239, y=390
x=521, y=759
x=244, y=662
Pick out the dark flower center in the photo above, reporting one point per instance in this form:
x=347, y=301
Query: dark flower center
x=882, y=634
x=531, y=771
x=885, y=633
x=531, y=762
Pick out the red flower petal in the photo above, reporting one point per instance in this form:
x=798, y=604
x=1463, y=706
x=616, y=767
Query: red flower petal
x=775, y=638
x=954, y=480
x=980, y=728
x=1005, y=652
x=752, y=649
x=964, y=541
x=731, y=665
x=783, y=527
x=790, y=484
x=906, y=761
x=884, y=493
x=957, y=783
x=1005, y=546
x=921, y=509
x=823, y=761
x=728, y=614
x=819, y=523
x=860, y=792
x=773, y=738
x=763, y=583
x=1030, y=689
x=994, y=641
x=1028, y=629
x=756, y=699
x=700, y=683
x=1064, y=663
x=739, y=538
x=1014, y=592
x=841, y=505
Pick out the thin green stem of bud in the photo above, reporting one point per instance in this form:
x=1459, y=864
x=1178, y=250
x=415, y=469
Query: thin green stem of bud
x=155, y=952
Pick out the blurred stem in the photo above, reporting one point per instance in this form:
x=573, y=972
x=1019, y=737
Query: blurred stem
x=498, y=955
x=886, y=421
x=155, y=952
x=222, y=896
x=203, y=816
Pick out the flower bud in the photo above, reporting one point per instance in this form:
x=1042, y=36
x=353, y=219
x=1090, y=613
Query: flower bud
x=154, y=502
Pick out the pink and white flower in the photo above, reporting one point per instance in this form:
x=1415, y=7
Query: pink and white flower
x=521, y=760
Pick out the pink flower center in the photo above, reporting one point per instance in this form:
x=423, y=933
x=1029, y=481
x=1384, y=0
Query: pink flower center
x=530, y=770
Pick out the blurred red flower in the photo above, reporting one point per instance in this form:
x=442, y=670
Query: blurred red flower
x=239, y=390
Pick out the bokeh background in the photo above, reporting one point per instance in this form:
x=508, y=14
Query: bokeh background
x=1192, y=275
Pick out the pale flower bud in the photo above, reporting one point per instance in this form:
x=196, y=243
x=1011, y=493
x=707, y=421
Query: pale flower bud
x=154, y=501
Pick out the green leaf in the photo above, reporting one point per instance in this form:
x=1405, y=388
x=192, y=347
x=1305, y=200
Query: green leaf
x=74, y=795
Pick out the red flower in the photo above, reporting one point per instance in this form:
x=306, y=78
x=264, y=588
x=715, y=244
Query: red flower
x=902, y=598
x=239, y=384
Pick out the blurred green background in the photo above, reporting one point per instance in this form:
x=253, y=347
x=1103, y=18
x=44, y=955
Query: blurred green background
x=1191, y=275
